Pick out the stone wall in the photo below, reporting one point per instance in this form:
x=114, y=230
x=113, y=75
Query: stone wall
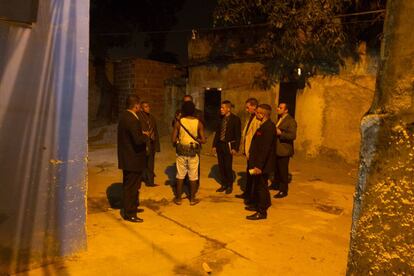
x=43, y=137
x=329, y=113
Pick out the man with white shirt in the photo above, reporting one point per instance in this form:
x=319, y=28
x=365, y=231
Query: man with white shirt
x=286, y=133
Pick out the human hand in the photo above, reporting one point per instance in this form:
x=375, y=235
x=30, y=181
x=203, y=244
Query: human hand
x=278, y=131
x=233, y=152
x=146, y=133
x=213, y=150
x=257, y=171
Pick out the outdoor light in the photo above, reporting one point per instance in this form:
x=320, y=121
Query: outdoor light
x=193, y=34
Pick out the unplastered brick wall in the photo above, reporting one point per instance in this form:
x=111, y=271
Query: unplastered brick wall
x=145, y=78
x=124, y=81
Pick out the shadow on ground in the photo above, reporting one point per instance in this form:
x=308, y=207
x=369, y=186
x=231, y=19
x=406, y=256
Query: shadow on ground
x=241, y=180
x=171, y=172
x=114, y=195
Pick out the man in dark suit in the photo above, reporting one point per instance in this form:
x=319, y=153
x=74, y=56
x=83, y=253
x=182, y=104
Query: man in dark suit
x=286, y=133
x=131, y=156
x=261, y=162
x=148, y=123
x=226, y=143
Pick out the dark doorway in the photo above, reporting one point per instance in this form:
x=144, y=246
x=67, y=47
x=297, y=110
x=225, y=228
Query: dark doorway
x=287, y=95
x=212, y=101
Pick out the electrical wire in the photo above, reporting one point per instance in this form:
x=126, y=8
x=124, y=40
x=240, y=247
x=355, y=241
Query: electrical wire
x=204, y=29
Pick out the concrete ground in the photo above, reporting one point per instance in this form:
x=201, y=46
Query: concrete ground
x=306, y=233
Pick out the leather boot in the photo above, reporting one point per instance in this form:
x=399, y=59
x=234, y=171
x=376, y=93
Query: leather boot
x=178, y=191
x=193, y=190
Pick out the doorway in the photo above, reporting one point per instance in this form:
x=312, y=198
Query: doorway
x=212, y=102
x=287, y=94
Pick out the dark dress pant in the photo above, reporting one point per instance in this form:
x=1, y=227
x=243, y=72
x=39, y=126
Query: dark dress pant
x=261, y=193
x=148, y=174
x=225, y=163
x=249, y=197
x=130, y=187
x=282, y=172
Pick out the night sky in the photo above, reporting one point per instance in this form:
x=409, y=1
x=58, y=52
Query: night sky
x=194, y=14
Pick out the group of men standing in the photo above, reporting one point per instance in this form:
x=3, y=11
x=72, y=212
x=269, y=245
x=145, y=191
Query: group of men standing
x=267, y=147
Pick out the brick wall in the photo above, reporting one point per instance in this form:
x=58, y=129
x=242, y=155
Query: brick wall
x=124, y=81
x=146, y=78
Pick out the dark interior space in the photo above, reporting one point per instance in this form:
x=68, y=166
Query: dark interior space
x=287, y=95
x=212, y=101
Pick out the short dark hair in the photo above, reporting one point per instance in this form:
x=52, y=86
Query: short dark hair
x=144, y=102
x=187, y=109
x=228, y=103
x=286, y=105
x=132, y=100
x=266, y=107
x=252, y=101
x=188, y=96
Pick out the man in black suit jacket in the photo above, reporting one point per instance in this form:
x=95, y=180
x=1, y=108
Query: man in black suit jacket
x=131, y=156
x=226, y=143
x=261, y=162
x=286, y=133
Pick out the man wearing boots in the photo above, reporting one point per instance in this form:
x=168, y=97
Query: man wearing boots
x=261, y=162
x=187, y=136
x=131, y=157
x=226, y=143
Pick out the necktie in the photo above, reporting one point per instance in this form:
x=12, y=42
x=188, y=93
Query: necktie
x=223, y=129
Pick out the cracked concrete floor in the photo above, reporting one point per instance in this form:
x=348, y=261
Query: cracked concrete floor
x=306, y=233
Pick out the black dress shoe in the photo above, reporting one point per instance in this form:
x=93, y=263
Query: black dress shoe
x=257, y=216
x=221, y=189
x=133, y=219
x=240, y=195
x=229, y=191
x=250, y=208
x=139, y=210
x=280, y=195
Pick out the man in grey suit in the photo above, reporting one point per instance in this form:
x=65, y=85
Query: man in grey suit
x=286, y=133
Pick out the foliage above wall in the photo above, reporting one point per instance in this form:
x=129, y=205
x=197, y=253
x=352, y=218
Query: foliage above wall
x=309, y=34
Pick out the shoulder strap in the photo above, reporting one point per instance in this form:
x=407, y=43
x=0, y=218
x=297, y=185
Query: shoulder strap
x=188, y=132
